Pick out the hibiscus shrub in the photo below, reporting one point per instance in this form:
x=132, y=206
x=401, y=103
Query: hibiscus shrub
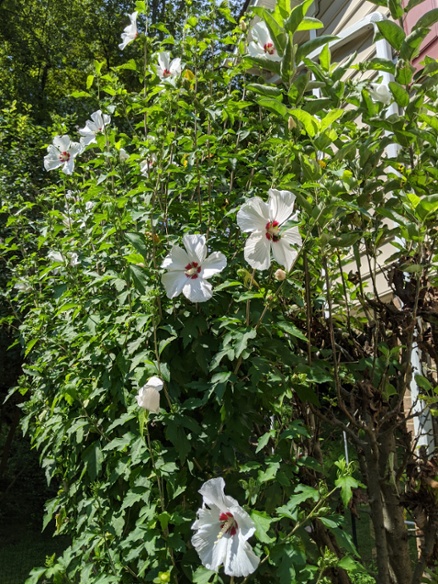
x=179, y=316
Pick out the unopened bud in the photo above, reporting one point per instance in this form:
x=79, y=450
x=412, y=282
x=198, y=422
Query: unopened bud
x=291, y=123
x=280, y=275
x=242, y=25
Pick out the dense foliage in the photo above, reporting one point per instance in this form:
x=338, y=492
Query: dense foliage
x=260, y=378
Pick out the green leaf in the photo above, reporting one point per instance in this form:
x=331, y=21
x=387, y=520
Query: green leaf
x=262, y=523
x=331, y=117
x=400, y=94
x=291, y=329
x=93, y=458
x=310, y=123
x=308, y=47
x=264, y=439
x=273, y=105
x=404, y=72
x=268, y=64
x=427, y=206
x=310, y=23
x=131, y=65
x=427, y=20
x=296, y=17
x=138, y=242
x=271, y=91
x=346, y=483
x=287, y=67
x=325, y=58
x=392, y=32
x=242, y=340
x=347, y=563
x=378, y=64
x=269, y=474
x=396, y=9
x=411, y=46
x=203, y=576
x=431, y=121
x=412, y=3
x=423, y=382
x=139, y=277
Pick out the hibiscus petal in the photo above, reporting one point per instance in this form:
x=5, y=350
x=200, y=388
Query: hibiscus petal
x=51, y=160
x=255, y=50
x=174, y=283
x=284, y=254
x=258, y=251
x=97, y=119
x=69, y=166
x=253, y=215
x=176, y=260
x=212, y=492
x=197, y=290
x=155, y=382
x=196, y=247
x=149, y=399
x=240, y=560
x=163, y=61
x=214, y=264
x=211, y=550
x=261, y=34
x=292, y=236
x=175, y=66
x=62, y=143
x=244, y=521
x=281, y=205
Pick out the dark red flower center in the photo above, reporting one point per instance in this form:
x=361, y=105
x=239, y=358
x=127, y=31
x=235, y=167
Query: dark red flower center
x=273, y=231
x=64, y=156
x=166, y=73
x=228, y=524
x=269, y=48
x=192, y=270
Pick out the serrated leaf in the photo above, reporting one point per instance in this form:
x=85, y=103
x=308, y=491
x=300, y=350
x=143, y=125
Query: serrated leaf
x=291, y=329
x=264, y=439
x=93, y=458
x=346, y=483
x=138, y=242
x=262, y=523
x=131, y=65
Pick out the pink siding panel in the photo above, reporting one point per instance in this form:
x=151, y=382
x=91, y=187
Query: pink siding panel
x=430, y=43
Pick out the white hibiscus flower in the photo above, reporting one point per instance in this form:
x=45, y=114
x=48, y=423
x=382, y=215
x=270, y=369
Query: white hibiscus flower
x=62, y=152
x=148, y=396
x=380, y=93
x=130, y=32
x=168, y=70
x=262, y=45
x=266, y=223
x=189, y=269
x=222, y=531
x=94, y=126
